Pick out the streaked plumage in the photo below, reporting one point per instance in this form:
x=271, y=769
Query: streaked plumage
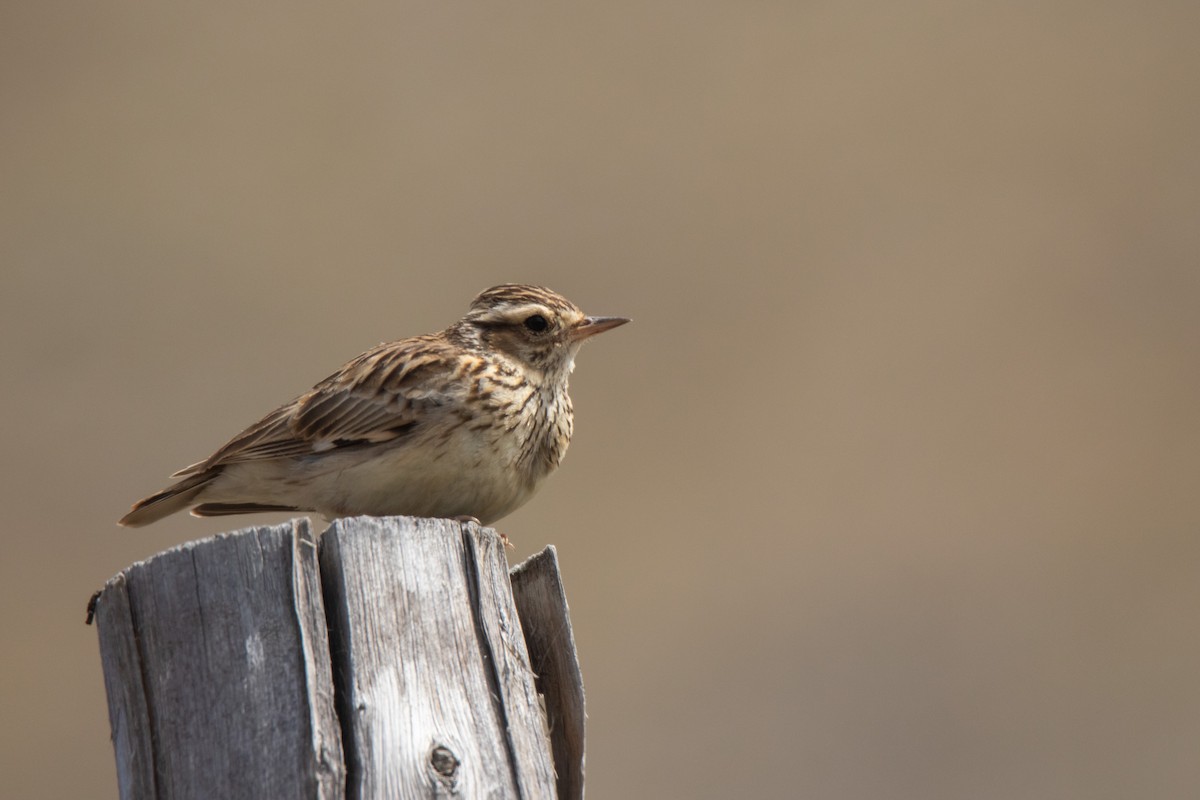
x=465, y=422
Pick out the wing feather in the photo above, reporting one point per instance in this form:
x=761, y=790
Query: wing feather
x=380, y=396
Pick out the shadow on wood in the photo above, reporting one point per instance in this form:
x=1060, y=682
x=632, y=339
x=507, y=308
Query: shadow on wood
x=392, y=665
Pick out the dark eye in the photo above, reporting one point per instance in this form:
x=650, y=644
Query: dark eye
x=536, y=323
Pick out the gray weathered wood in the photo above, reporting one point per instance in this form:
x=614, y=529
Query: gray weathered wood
x=128, y=712
x=435, y=689
x=217, y=670
x=542, y=605
x=220, y=659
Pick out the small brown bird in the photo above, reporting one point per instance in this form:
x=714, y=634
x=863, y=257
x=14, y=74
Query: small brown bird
x=462, y=423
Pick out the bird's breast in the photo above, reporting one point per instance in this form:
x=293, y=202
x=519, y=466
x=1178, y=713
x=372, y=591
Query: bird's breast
x=483, y=456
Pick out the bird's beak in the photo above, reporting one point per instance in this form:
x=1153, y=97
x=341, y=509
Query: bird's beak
x=590, y=326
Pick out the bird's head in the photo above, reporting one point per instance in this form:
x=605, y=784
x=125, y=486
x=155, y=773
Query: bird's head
x=536, y=327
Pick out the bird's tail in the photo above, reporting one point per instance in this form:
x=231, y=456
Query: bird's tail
x=174, y=498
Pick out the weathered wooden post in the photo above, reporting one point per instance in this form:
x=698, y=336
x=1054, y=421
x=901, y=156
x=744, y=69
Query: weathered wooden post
x=389, y=660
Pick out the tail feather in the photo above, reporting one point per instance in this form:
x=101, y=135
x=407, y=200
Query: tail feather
x=226, y=509
x=174, y=498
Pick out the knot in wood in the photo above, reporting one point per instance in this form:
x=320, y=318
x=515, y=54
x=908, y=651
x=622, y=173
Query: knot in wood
x=443, y=761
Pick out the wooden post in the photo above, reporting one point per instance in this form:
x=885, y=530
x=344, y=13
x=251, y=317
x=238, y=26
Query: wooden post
x=386, y=662
x=542, y=606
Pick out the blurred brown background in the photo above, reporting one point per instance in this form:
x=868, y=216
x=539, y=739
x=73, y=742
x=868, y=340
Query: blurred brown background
x=889, y=491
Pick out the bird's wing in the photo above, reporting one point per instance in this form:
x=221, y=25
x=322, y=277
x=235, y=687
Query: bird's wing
x=382, y=395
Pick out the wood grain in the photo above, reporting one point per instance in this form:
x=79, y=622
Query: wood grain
x=390, y=661
x=217, y=670
x=542, y=605
x=436, y=693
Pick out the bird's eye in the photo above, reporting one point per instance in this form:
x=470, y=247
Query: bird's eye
x=536, y=323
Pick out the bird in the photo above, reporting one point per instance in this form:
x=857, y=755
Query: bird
x=461, y=424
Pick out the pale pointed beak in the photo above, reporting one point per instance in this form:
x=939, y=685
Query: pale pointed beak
x=590, y=326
